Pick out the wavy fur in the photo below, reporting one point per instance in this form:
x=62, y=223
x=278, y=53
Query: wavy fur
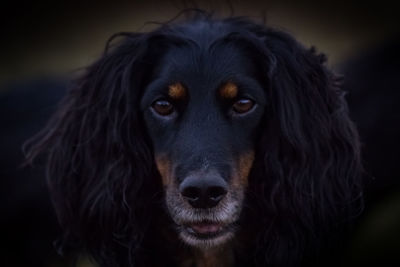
x=304, y=186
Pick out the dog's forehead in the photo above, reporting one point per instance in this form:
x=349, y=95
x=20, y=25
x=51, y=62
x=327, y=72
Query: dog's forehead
x=205, y=64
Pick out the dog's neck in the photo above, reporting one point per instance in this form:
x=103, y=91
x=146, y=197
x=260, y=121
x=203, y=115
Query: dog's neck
x=216, y=257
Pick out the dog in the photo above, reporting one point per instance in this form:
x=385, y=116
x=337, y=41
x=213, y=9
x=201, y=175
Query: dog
x=207, y=142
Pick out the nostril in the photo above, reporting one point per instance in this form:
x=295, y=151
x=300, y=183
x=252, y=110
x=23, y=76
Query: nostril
x=216, y=193
x=191, y=193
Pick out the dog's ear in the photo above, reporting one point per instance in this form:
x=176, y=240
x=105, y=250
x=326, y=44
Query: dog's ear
x=309, y=172
x=99, y=161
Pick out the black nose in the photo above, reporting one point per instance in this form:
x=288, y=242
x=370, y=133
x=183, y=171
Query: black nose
x=203, y=191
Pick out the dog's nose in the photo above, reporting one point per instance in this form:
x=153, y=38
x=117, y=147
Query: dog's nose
x=203, y=191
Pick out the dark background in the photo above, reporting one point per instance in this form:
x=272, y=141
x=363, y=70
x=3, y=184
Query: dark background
x=41, y=38
x=43, y=44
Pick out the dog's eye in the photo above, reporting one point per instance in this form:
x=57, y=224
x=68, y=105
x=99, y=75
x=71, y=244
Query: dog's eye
x=243, y=105
x=163, y=107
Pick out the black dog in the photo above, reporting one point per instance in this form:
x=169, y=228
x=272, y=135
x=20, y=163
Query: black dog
x=204, y=143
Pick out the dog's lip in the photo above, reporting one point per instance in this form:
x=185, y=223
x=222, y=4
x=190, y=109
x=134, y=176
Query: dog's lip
x=207, y=229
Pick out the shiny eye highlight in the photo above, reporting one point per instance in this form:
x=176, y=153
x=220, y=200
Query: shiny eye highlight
x=163, y=107
x=243, y=105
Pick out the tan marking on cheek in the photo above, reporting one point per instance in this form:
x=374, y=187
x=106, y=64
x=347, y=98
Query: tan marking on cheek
x=176, y=91
x=245, y=163
x=229, y=90
x=164, y=168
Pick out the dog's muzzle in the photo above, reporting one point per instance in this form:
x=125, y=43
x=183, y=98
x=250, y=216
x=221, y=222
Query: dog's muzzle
x=205, y=209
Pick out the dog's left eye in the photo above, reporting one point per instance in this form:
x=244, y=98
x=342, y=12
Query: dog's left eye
x=243, y=105
x=163, y=107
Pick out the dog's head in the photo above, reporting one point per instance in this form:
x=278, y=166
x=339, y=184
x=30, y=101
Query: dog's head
x=208, y=112
x=202, y=110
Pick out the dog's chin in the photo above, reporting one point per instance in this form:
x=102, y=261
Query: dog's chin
x=206, y=235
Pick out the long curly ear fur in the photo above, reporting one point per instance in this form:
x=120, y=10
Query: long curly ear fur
x=100, y=165
x=306, y=178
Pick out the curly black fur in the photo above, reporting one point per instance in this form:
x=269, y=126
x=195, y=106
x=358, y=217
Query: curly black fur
x=304, y=186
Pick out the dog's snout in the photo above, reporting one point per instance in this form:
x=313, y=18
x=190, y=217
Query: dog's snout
x=203, y=191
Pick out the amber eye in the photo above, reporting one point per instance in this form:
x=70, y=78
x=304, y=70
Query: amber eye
x=163, y=107
x=243, y=105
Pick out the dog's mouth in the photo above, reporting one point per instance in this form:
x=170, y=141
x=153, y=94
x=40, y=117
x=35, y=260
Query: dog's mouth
x=206, y=234
x=207, y=229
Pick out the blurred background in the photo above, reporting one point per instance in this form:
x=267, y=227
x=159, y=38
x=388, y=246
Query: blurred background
x=44, y=44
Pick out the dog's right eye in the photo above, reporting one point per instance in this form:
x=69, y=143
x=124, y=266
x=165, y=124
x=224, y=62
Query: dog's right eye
x=243, y=105
x=163, y=107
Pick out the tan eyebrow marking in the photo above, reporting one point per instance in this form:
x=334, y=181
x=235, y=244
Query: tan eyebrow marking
x=229, y=90
x=176, y=91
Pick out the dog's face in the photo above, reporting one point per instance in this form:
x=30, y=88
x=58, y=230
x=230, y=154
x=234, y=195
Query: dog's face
x=202, y=111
